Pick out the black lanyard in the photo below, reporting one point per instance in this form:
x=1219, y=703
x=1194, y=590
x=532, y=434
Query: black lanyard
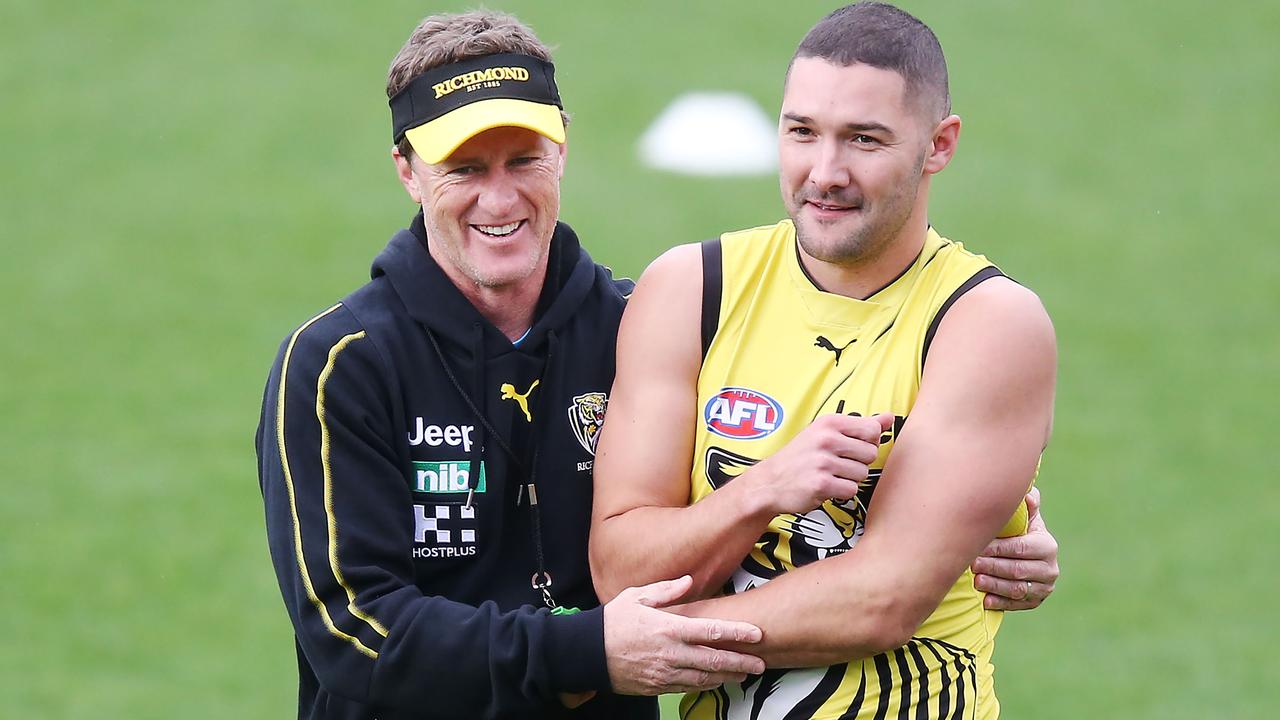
x=541, y=580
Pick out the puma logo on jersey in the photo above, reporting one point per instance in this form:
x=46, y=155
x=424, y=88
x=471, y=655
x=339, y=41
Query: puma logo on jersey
x=825, y=344
x=509, y=393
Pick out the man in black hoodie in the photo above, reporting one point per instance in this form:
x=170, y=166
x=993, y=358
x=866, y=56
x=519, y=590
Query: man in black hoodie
x=426, y=444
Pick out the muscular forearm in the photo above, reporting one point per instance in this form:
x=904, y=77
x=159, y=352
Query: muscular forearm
x=835, y=610
x=706, y=540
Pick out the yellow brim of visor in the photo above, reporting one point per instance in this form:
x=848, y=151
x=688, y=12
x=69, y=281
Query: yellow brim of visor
x=436, y=140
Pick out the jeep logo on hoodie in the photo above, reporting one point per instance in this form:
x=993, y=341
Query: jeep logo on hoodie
x=437, y=435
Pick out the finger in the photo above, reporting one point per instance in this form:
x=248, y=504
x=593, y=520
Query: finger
x=1036, y=571
x=859, y=451
x=850, y=471
x=664, y=592
x=715, y=660
x=685, y=680
x=863, y=428
x=1039, y=543
x=1033, y=502
x=1010, y=547
x=1018, y=590
x=1038, y=546
x=996, y=602
x=1037, y=531
x=1011, y=569
x=696, y=631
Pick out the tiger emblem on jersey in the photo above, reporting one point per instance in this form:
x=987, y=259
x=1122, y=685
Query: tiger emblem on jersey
x=828, y=530
x=586, y=417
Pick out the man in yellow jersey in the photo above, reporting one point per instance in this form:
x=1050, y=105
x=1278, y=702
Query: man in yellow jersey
x=829, y=418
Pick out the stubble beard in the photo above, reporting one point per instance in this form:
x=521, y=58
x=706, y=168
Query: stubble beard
x=881, y=223
x=473, y=273
x=488, y=280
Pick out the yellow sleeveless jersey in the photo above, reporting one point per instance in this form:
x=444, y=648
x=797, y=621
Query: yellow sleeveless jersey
x=781, y=353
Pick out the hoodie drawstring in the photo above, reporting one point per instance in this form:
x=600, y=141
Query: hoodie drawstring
x=541, y=580
x=477, y=448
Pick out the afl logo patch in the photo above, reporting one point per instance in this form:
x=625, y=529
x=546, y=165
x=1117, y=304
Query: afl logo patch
x=742, y=414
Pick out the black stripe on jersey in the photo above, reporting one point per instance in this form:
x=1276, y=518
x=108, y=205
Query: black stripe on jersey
x=720, y=697
x=803, y=269
x=712, y=285
x=719, y=700
x=985, y=273
x=922, y=698
x=895, y=279
x=855, y=705
x=966, y=676
x=944, y=692
x=905, y=679
x=936, y=252
x=885, y=676
x=769, y=682
x=826, y=687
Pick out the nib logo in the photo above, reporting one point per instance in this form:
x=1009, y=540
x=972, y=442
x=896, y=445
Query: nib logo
x=450, y=476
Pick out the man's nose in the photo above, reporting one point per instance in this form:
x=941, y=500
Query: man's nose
x=830, y=167
x=499, y=195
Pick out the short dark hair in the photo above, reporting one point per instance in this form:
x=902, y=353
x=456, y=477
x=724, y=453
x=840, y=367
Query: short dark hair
x=885, y=37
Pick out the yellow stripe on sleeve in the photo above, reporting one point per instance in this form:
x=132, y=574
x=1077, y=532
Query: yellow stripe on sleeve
x=328, y=484
x=293, y=504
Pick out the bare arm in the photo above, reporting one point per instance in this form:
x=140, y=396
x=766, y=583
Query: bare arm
x=959, y=468
x=641, y=529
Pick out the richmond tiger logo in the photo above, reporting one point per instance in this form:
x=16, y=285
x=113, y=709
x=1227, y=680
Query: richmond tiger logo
x=828, y=530
x=586, y=417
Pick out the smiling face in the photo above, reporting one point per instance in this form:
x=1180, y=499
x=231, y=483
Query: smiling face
x=490, y=208
x=853, y=154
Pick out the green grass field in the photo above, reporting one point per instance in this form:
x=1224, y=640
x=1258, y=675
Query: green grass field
x=183, y=183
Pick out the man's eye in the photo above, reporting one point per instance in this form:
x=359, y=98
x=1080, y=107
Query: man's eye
x=801, y=131
x=464, y=170
x=864, y=140
x=524, y=160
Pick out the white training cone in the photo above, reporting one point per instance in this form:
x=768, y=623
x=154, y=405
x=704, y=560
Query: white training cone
x=711, y=133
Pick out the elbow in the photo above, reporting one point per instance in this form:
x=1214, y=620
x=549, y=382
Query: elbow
x=705, y=585
x=889, y=626
x=604, y=575
x=606, y=589
x=889, y=634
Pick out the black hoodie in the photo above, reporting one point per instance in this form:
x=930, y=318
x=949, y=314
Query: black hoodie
x=408, y=600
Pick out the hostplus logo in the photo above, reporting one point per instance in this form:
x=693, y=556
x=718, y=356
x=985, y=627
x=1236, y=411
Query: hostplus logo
x=445, y=530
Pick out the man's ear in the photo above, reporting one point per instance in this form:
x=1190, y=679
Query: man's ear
x=942, y=146
x=404, y=171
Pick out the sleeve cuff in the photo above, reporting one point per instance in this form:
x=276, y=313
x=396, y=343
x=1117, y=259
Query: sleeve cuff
x=575, y=651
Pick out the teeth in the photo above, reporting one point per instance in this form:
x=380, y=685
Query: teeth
x=497, y=230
